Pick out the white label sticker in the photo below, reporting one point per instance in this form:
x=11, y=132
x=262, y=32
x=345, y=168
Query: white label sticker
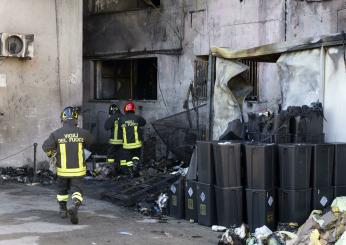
x=173, y=189
x=202, y=196
x=324, y=201
x=3, y=82
x=270, y=201
x=190, y=191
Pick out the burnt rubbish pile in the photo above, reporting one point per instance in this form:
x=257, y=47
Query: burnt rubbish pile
x=297, y=124
x=147, y=192
x=25, y=175
x=322, y=227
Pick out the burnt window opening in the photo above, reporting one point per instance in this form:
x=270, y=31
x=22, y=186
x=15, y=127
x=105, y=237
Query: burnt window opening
x=134, y=79
x=251, y=75
x=106, y=6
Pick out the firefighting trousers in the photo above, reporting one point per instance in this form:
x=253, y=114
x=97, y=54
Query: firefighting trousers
x=129, y=158
x=71, y=185
x=113, y=153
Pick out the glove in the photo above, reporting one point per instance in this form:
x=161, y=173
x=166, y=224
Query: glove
x=50, y=153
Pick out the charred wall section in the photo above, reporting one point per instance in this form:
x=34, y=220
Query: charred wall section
x=178, y=32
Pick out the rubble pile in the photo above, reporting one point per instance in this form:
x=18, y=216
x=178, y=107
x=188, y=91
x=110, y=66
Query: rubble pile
x=147, y=192
x=321, y=228
x=26, y=175
x=296, y=124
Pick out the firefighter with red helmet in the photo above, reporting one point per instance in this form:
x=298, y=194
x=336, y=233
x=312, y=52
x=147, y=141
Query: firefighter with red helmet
x=131, y=125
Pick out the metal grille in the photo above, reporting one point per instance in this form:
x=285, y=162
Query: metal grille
x=252, y=77
x=200, y=80
x=180, y=131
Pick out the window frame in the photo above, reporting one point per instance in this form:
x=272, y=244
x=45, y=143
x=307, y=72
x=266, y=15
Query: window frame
x=97, y=80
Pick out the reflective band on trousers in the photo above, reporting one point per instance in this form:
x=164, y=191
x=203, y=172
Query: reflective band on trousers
x=134, y=145
x=71, y=172
x=78, y=196
x=126, y=163
x=110, y=160
x=62, y=198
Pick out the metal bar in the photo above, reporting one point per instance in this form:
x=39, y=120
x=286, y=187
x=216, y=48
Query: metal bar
x=35, y=161
x=210, y=90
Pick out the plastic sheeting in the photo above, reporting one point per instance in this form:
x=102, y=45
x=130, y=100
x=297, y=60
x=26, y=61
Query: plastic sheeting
x=229, y=92
x=334, y=98
x=300, y=77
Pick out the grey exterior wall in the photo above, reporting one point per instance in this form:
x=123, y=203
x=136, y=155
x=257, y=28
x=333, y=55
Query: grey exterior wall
x=36, y=90
x=194, y=26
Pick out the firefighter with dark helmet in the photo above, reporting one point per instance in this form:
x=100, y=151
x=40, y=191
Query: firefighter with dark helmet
x=67, y=145
x=131, y=125
x=115, y=141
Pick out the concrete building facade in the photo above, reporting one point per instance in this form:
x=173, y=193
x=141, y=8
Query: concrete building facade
x=179, y=32
x=33, y=91
x=156, y=39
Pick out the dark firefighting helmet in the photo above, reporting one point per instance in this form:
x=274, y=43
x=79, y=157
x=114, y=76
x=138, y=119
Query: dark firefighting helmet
x=129, y=107
x=69, y=113
x=113, y=109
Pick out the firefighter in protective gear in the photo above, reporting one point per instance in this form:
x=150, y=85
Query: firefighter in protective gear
x=131, y=126
x=115, y=141
x=67, y=144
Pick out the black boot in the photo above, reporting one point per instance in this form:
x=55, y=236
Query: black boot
x=73, y=212
x=63, y=210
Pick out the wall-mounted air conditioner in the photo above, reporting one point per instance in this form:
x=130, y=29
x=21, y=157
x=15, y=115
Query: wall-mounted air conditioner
x=17, y=45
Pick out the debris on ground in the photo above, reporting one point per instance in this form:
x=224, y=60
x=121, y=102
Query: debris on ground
x=290, y=227
x=218, y=228
x=25, y=175
x=325, y=227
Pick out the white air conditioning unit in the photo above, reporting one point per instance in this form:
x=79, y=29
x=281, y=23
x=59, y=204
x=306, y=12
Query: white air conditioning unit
x=17, y=45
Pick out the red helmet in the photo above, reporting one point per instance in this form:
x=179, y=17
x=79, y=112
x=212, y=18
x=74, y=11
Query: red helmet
x=129, y=107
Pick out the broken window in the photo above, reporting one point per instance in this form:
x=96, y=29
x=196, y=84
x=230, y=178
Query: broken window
x=200, y=80
x=134, y=79
x=252, y=77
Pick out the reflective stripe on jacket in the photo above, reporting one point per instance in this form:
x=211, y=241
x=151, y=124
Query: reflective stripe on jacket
x=69, y=143
x=131, y=130
x=112, y=124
